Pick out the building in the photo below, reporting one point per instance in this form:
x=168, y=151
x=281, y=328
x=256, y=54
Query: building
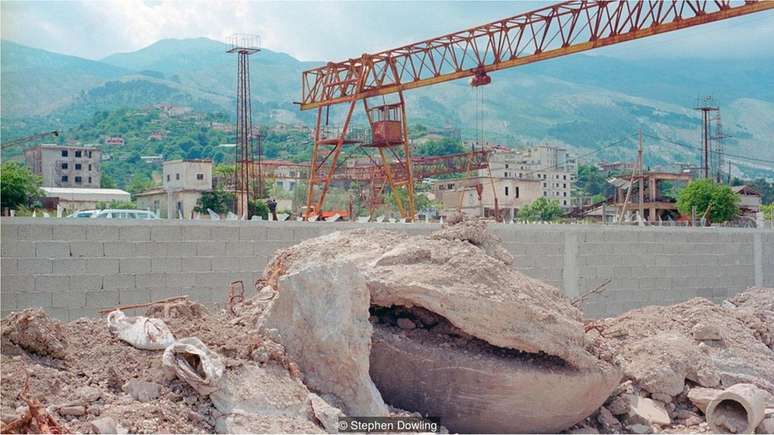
x=656, y=202
x=72, y=199
x=183, y=184
x=476, y=196
x=749, y=200
x=554, y=167
x=65, y=166
x=114, y=140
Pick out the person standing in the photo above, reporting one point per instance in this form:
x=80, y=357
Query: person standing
x=272, y=204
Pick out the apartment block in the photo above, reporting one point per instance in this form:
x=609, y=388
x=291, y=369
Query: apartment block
x=65, y=166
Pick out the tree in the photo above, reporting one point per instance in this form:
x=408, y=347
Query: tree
x=768, y=211
x=257, y=208
x=592, y=181
x=114, y=204
x=107, y=182
x=705, y=193
x=542, y=209
x=18, y=185
x=139, y=183
x=218, y=201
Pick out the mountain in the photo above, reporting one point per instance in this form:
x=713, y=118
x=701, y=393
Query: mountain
x=582, y=101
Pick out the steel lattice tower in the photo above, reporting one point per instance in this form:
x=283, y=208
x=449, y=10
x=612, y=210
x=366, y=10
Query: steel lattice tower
x=706, y=106
x=244, y=188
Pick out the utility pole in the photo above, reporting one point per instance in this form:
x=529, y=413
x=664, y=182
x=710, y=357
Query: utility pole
x=639, y=170
x=706, y=107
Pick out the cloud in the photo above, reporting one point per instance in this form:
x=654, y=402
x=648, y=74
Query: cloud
x=323, y=30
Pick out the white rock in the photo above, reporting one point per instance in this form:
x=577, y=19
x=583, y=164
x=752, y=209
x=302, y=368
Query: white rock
x=646, y=411
x=705, y=332
x=701, y=397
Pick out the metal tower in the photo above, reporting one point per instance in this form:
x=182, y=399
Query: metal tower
x=244, y=189
x=706, y=106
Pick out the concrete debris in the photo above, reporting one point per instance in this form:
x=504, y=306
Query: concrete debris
x=757, y=304
x=192, y=361
x=766, y=426
x=106, y=425
x=738, y=409
x=33, y=331
x=701, y=397
x=142, y=391
x=642, y=410
x=72, y=410
x=475, y=232
x=607, y=421
x=703, y=331
x=139, y=331
x=639, y=428
x=327, y=415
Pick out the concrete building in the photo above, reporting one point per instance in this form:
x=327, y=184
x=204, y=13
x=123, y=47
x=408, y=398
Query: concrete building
x=478, y=196
x=656, y=203
x=183, y=184
x=749, y=199
x=71, y=199
x=65, y=166
x=554, y=167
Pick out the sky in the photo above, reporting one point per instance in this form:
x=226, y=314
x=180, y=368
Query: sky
x=325, y=30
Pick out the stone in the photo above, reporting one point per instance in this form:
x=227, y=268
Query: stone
x=33, y=331
x=693, y=421
x=89, y=394
x=766, y=426
x=76, y=411
x=701, y=397
x=584, y=430
x=404, y=323
x=661, y=397
x=104, y=425
x=322, y=315
x=619, y=405
x=142, y=391
x=607, y=420
x=646, y=411
x=703, y=331
x=640, y=428
x=327, y=415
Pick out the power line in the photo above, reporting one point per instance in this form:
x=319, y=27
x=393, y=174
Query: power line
x=603, y=147
x=736, y=156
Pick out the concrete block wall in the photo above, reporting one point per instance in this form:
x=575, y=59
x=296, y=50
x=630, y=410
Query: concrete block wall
x=74, y=267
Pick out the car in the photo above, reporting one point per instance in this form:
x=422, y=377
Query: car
x=111, y=213
x=83, y=214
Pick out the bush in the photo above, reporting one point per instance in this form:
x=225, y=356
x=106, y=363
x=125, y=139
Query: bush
x=705, y=193
x=219, y=201
x=542, y=209
x=18, y=185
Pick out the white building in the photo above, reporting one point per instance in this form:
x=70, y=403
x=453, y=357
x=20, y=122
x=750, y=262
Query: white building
x=554, y=167
x=74, y=198
x=65, y=166
x=183, y=184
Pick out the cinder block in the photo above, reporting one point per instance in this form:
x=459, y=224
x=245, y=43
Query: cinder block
x=166, y=264
x=9, y=265
x=119, y=249
x=135, y=233
x=7, y=300
x=302, y=233
x=102, y=232
x=9, y=232
x=77, y=313
x=69, y=232
x=86, y=249
x=164, y=292
x=196, y=264
x=36, y=265
x=204, y=295
x=102, y=266
x=179, y=279
x=69, y=265
x=71, y=299
x=276, y=232
x=17, y=248
x=134, y=296
x=17, y=283
x=223, y=232
x=85, y=282
x=33, y=299
x=36, y=232
x=257, y=232
x=218, y=280
x=150, y=249
x=161, y=233
x=102, y=299
x=52, y=283
x=195, y=232
x=211, y=248
x=239, y=249
x=134, y=265
x=58, y=313
x=180, y=249
x=118, y=281
x=52, y=249
x=252, y=264
x=149, y=280
x=225, y=264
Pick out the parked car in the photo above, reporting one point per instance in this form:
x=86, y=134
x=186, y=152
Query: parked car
x=84, y=214
x=111, y=213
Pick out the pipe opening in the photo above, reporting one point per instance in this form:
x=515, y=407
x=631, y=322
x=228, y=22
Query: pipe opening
x=730, y=416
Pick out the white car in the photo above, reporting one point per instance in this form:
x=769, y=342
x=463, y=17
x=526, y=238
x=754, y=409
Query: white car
x=84, y=214
x=110, y=213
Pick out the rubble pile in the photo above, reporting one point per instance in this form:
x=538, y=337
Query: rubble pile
x=376, y=323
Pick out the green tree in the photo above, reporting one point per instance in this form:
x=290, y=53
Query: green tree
x=592, y=181
x=440, y=147
x=542, y=209
x=18, y=185
x=720, y=199
x=257, y=208
x=140, y=183
x=114, y=204
x=107, y=182
x=218, y=201
x=768, y=211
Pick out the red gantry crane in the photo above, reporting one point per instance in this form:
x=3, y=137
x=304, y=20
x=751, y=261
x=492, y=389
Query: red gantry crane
x=553, y=31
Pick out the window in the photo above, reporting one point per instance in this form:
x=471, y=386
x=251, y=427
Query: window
x=89, y=180
x=177, y=176
x=506, y=190
x=564, y=202
x=545, y=193
x=64, y=153
x=89, y=166
x=506, y=166
x=78, y=166
x=78, y=180
x=90, y=157
x=450, y=186
x=516, y=192
x=77, y=154
x=200, y=176
x=565, y=177
x=506, y=175
x=64, y=165
x=64, y=179
x=167, y=177
x=564, y=185
x=564, y=193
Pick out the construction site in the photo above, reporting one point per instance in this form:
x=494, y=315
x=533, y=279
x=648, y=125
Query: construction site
x=468, y=325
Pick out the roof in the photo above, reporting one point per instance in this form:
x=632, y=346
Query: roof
x=86, y=190
x=745, y=189
x=86, y=194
